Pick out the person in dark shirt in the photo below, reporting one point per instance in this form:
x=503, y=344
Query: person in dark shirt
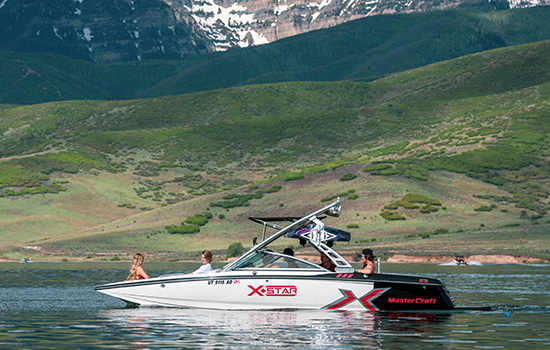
x=291, y=263
x=327, y=263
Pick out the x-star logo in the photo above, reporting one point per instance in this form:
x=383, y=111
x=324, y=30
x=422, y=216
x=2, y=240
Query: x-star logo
x=348, y=297
x=273, y=291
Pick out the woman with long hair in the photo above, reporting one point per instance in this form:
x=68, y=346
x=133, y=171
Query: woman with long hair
x=137, y=272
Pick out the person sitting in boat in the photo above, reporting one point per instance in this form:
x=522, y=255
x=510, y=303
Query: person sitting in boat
x=136, y=271
x=291, y=263
x=268, y=260
x=206, y=259
x=367, y=258
x=327, y=263
x=460, y=260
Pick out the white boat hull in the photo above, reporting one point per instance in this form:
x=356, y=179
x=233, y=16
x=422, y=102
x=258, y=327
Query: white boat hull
x=231, y=291
x=261, y=290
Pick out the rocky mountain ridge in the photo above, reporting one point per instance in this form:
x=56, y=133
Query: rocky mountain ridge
x=100, y=31
x=244, y=23
x=109, y=31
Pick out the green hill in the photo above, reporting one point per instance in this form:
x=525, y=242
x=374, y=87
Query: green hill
x=369, y=47
x=471, y=134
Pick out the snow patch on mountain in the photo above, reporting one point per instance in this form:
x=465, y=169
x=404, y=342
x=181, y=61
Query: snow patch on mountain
x=527, y=3
x=242, y=23
x=282, y=8
x=88, y=34
x=226, y=25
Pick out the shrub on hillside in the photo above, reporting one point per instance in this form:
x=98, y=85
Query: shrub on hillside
x=127, y=205
x=417, y=176
x=428, y=208
x=55, y=188
x=390, y=172
x=235, y=249
x=183, y=229
x=272, y=189
x=348, y=177
x=12, y=193
x=390, y=215
x=198, y=219
x=233, y=200
x=418, y=198
x=258, y=195
x=483, y=208
x=440, y=231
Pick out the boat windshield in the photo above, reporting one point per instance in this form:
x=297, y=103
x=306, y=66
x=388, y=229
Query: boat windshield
x=267, y=259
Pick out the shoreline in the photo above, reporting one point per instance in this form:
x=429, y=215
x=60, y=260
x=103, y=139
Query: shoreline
x=497, y=259
x=393, y=259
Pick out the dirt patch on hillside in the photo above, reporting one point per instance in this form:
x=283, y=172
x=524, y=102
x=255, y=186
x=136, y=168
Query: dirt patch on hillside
x=484, y=259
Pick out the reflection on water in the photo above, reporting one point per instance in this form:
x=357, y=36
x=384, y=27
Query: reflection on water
x=298, y=329
x=49, y=306
x=148, y=328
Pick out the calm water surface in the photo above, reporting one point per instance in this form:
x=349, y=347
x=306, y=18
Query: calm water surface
x=54, y=306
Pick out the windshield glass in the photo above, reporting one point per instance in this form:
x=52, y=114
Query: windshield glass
x=268, y=259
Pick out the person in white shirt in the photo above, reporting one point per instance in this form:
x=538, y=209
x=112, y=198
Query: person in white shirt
x=206, y=259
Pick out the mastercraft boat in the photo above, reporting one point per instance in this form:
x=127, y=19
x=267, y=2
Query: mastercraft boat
x=262, y=279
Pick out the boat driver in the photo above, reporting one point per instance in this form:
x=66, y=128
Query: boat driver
x=327, y=263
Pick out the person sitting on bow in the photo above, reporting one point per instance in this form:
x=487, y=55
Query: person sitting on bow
x=136, y=271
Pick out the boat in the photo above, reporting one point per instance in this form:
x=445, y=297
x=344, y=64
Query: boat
x=262, y=279
x=459, y=260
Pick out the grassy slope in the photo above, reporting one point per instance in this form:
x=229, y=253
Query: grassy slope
x=364, y=48
x=498, y=97
x=471, y=232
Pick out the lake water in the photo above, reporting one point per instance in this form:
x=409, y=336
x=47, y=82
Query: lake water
x=54, y=306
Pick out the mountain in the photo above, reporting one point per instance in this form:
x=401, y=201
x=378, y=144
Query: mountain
x=245, y=23
x=369, y=47
x=467, y=137
x=118, y=30
x=100, y=31
x=364, y=48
